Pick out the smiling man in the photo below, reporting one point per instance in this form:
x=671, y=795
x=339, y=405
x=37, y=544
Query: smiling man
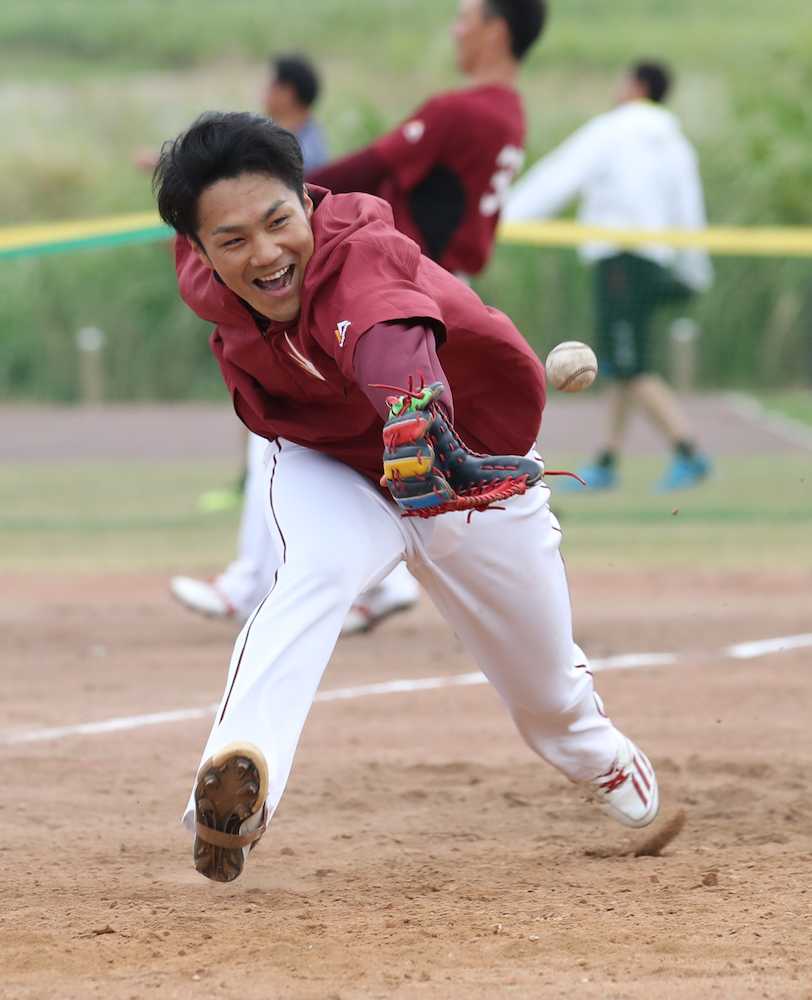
x=320, y=305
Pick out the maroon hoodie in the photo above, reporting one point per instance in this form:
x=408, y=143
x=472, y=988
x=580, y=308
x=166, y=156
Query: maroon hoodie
x=299, y=380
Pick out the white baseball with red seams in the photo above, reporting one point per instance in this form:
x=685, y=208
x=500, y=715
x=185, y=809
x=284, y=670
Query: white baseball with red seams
x=498, y=581
x=571, y=366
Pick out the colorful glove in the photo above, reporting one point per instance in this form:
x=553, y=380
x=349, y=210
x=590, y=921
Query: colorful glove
x=428, y=469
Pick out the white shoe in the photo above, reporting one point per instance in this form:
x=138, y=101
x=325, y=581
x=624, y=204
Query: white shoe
x=628, y=790
x=202, y=597
x=230, y=794
x=372, y=608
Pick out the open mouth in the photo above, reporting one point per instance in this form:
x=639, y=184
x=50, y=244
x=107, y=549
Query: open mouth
x=278, y=281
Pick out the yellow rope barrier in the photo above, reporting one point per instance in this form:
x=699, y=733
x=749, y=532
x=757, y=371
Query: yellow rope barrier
x=730, y=240
x=23, y=237
x=144, y=226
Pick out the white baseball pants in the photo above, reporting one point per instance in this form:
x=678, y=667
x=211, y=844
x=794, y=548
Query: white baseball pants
x=499, y=582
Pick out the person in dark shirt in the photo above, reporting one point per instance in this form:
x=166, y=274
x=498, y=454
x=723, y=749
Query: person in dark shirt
x=318, y=303
x=447, y=169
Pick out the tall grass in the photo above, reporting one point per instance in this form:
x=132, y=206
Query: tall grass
x=83, y=82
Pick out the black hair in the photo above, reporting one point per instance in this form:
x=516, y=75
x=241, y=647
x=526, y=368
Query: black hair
x=655, y=77
x=525, y=20
x=297, y=72
x=216, y=146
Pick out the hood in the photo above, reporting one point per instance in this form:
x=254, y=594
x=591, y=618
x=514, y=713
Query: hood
x=336, y=219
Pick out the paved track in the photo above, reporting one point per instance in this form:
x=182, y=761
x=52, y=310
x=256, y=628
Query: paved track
x=191, y=430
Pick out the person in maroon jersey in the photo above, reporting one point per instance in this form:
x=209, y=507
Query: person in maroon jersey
x=446, y=170
x=318, y=302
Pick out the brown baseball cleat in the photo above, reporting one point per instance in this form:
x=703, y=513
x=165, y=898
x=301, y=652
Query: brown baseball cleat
x=230, y=798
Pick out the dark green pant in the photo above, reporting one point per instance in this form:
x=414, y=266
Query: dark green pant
x=628, y=289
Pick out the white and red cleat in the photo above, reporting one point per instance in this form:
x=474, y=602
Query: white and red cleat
x=628, y=790
x=395, y=593
x=367, y=613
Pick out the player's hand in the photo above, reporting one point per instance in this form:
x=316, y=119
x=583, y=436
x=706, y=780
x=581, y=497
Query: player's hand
x=428, y=469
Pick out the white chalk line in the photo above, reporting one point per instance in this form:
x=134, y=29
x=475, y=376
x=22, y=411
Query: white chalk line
x=750, y=650
x=626, y=661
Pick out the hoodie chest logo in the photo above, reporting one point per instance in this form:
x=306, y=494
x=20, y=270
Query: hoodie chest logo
x=302, y=361
x=341, y=331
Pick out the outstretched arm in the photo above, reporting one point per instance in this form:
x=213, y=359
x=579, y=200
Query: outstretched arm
x=395, y=354
x=406, y=154
x=557, y=178
x=427, y=468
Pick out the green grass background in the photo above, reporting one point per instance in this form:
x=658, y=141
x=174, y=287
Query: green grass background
x=84, y=82
x=794, y=405
x=754, y=515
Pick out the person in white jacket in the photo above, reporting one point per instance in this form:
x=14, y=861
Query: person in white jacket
x=630, y=168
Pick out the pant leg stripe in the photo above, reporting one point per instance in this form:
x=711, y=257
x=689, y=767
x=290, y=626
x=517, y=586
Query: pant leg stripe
x=273, y=586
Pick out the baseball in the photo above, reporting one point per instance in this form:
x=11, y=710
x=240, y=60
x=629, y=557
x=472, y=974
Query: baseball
x=571, y=366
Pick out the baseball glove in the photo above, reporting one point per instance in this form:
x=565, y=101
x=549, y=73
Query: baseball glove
x=428, y=469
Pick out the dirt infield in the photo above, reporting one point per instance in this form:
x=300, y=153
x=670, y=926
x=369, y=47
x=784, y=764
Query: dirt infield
x=421, y=850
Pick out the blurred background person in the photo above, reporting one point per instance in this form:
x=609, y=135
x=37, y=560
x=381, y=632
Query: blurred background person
x=292, y=91
x=630, y=168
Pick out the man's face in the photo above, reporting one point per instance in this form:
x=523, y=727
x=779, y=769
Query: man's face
x=472, y=33
x=256, y=235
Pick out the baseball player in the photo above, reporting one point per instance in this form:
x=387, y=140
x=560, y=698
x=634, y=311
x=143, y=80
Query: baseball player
x=445, y=171
x=631, y=167
x=352, y=354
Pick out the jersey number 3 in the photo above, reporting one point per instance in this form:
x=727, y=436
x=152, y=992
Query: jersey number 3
x=508, y=164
